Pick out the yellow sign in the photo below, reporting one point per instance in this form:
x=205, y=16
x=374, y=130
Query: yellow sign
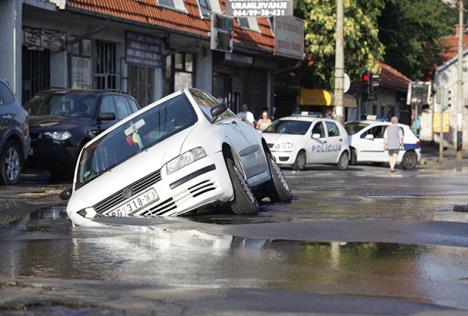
x=436, y=123
x=320, y=97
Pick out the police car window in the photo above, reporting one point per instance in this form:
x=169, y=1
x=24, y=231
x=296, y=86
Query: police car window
x=318, y=129
x=376, y=131
x=333, y=130
x=292, y=127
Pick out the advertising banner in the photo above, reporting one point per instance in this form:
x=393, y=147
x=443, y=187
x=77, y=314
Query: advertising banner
x=259, y=8
x=289, y=37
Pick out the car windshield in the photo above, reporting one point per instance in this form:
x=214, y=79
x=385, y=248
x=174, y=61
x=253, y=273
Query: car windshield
x=354, y=127
x=72, y=104
x=134, y=136
x=294, y=127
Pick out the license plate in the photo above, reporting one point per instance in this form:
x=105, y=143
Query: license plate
x=135, y=204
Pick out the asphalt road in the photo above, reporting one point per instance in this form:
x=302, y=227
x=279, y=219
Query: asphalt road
x=358, y=242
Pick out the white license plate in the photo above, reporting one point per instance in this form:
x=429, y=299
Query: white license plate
x=135, y=204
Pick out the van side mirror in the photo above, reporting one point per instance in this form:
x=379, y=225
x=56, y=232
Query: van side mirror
x=370, y=137
x=107, y=116
x=315, y=136
x=66, y=194
x=217, y=110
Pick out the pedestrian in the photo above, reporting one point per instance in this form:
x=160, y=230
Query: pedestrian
x=246, y=115
x=263, y=122
x=393, y=139
x=415, y=125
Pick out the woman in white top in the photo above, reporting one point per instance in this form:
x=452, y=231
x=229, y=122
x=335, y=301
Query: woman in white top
x=264, y=122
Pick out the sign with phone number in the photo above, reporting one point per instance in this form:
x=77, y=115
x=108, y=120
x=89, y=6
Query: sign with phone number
x=259, y=8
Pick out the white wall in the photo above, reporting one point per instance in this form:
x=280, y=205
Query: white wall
x=204, y=71
x=10, y=43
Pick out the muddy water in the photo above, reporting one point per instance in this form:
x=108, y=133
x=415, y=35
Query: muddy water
x=46, y=246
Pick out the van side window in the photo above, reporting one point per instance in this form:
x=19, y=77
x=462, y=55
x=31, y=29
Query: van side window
x=6, y=97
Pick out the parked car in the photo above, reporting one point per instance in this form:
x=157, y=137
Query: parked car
x=366, y=139
x=181, y=153
x=14, y=136
x=62, y=121
x=298, y=141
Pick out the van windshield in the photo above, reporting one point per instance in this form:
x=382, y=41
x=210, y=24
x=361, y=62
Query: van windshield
x=134, y=136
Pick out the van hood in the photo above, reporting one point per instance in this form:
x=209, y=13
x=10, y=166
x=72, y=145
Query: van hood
x=131, y=170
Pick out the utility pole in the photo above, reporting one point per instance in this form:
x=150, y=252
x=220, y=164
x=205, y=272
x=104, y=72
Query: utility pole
x=460, y=98
x=339, y=62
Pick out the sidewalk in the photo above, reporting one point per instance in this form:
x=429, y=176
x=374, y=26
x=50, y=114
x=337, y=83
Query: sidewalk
x=430, y=157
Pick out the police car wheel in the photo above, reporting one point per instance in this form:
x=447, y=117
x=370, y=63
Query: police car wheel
x=300, y=162
x=278, y=187
x=409, y=160
x=244, y=202
x=353, y=157
x=343, y=163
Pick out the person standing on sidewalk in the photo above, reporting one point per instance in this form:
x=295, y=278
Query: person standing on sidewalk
x=393, y=140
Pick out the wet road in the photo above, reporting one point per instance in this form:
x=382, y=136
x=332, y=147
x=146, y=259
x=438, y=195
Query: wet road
x=355, y=242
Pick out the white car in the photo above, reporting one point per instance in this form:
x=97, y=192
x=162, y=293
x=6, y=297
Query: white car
x=366, y=139
x=297, y=141
x=183, y=152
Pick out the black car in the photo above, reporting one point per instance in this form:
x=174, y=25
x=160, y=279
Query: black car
x=14, y=136
x=62, y=121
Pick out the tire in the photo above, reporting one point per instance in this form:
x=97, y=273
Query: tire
x=409, y=161
x=353, y=160
x=10, y=163
x=300, y=162
x=343, y=163
x=278, y=187
x=244, y=202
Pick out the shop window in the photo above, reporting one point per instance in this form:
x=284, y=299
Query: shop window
x=180, y=70
x=249, y=23
x=141, y=84
x=35, y=72
x=174, y=4
x=105, y=66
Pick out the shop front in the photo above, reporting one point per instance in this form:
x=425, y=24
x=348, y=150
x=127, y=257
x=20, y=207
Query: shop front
x=320, y=103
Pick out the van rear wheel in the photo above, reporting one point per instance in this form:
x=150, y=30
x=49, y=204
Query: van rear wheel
x=278, y=187
x=10, y=163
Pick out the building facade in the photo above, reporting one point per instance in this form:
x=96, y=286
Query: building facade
x=147, y=48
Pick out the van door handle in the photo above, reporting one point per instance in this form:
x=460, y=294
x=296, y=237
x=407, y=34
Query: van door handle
x=341, y=139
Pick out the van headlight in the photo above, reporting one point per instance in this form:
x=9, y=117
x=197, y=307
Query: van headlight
x=59, y=135
x=185, y=159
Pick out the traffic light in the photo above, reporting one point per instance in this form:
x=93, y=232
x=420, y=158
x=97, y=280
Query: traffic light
x=365, y=84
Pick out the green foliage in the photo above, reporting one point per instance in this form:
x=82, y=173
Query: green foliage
x=411, y=32
x=362, y=46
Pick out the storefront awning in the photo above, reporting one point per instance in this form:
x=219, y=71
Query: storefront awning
x=320, y=97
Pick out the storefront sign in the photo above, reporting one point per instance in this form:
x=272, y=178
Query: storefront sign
x=40, y=39
x=289, y=37
x=221, y=33
x=239, y=59
x=143, y=50
x=257, y=8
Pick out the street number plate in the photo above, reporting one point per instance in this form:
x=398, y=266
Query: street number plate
x=135, y=204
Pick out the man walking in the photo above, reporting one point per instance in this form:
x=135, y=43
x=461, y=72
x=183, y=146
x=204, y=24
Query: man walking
x=393, y=139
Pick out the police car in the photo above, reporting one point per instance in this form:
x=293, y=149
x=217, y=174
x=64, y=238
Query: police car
x=181, y=153
x=297, y=141
x=366, y=139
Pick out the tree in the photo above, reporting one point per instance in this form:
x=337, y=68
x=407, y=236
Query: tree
x=363, y=48
x=411, y=31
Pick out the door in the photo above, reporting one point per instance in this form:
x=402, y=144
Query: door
x=7, y=112
x=335, y=142
x=371, y=144
x=317, y=144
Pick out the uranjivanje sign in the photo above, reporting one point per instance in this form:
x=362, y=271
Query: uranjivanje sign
x=257, y=8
